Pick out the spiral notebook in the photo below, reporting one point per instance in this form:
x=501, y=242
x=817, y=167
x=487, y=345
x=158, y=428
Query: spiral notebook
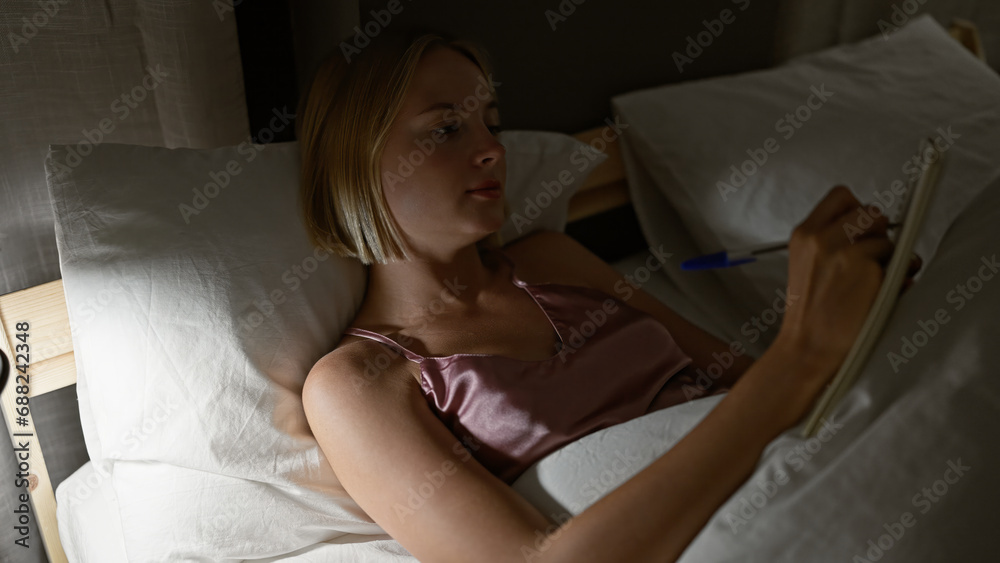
x=915, y=202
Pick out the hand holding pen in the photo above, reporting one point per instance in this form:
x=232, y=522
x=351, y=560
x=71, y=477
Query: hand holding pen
x=735, y=257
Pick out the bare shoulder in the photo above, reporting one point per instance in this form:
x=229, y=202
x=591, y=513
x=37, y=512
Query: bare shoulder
x=356, y=366
x=383, y=442
x=550, y=256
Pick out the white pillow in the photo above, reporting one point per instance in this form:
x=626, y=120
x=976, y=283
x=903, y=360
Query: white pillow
x=198, y=306
x=544, y=171
x=871, y=103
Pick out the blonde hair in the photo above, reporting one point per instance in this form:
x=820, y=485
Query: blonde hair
x=342, y=126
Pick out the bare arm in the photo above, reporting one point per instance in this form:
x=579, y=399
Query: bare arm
x=409, y=473
x=655, y=515
x=413, y=477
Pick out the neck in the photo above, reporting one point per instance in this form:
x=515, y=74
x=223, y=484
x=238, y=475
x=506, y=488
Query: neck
x=411, y=292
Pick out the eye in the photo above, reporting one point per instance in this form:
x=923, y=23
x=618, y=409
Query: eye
x=449, y=129
x=446, y=130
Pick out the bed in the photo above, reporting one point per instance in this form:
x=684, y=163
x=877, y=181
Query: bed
x=880, y=412
x=53, y=363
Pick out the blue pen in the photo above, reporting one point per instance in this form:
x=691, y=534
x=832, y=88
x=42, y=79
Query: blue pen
x=728, y=258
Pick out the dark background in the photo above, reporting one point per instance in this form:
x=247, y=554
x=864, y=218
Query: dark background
x=554, y=80
x=558, y=79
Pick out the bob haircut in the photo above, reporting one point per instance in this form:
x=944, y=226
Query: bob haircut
x=342, y=127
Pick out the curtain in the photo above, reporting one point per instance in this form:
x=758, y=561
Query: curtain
x=164, y=73
x=161, y=73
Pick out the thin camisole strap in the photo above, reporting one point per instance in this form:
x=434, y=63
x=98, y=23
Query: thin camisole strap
x=412, y=356
x=510, y=263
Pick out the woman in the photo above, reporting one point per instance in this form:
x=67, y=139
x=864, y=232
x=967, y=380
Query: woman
x=426, y=418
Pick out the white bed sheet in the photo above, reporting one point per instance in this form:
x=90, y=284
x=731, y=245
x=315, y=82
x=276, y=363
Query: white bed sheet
x=90, y=526
x=906, y=427
x=906, y=471
x=903, y=432
x=91, y=532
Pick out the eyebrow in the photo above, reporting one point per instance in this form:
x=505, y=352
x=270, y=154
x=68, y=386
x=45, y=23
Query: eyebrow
x=446, y=105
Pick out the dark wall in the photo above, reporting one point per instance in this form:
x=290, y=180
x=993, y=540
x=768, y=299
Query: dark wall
x=268, y=57
x=562, y=79
x=558, y=62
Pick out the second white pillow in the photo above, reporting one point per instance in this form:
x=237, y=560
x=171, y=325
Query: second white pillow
x=745, y=158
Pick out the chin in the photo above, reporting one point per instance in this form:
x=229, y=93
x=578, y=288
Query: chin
x=490, y=224
x=486, y=232
x=495, y=228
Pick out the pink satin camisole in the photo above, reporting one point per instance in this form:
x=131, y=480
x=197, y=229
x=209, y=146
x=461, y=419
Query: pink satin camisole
x=614, y=363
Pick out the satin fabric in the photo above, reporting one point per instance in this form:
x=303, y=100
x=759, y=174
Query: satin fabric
x=614, y=363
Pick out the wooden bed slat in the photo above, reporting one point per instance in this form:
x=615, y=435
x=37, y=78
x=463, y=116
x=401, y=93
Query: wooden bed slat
x=44, y=308
x=593, y=202
x=966, y=33
x=605, y=187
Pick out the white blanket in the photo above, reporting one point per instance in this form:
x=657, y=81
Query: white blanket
x=906, y=472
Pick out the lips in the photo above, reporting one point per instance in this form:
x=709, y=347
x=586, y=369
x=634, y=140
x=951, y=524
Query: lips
x=488, y=188
x=487, y=185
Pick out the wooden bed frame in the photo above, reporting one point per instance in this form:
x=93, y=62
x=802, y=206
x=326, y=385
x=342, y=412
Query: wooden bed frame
x=53, y=366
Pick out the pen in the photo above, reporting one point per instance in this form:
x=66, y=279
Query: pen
x=735, y=257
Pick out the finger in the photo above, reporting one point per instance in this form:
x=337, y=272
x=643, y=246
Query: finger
x=879, y=222
x=837, y=202
x=906, y=285
x=876, y=248
x=852, y=227
x=859, y=223
x=915, y=263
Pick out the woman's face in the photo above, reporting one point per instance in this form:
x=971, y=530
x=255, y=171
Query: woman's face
x=441, y=145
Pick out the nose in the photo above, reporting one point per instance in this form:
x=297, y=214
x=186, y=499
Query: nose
x=493, y=150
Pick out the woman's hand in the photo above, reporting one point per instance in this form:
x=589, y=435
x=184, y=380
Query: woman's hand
x=834, y=274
